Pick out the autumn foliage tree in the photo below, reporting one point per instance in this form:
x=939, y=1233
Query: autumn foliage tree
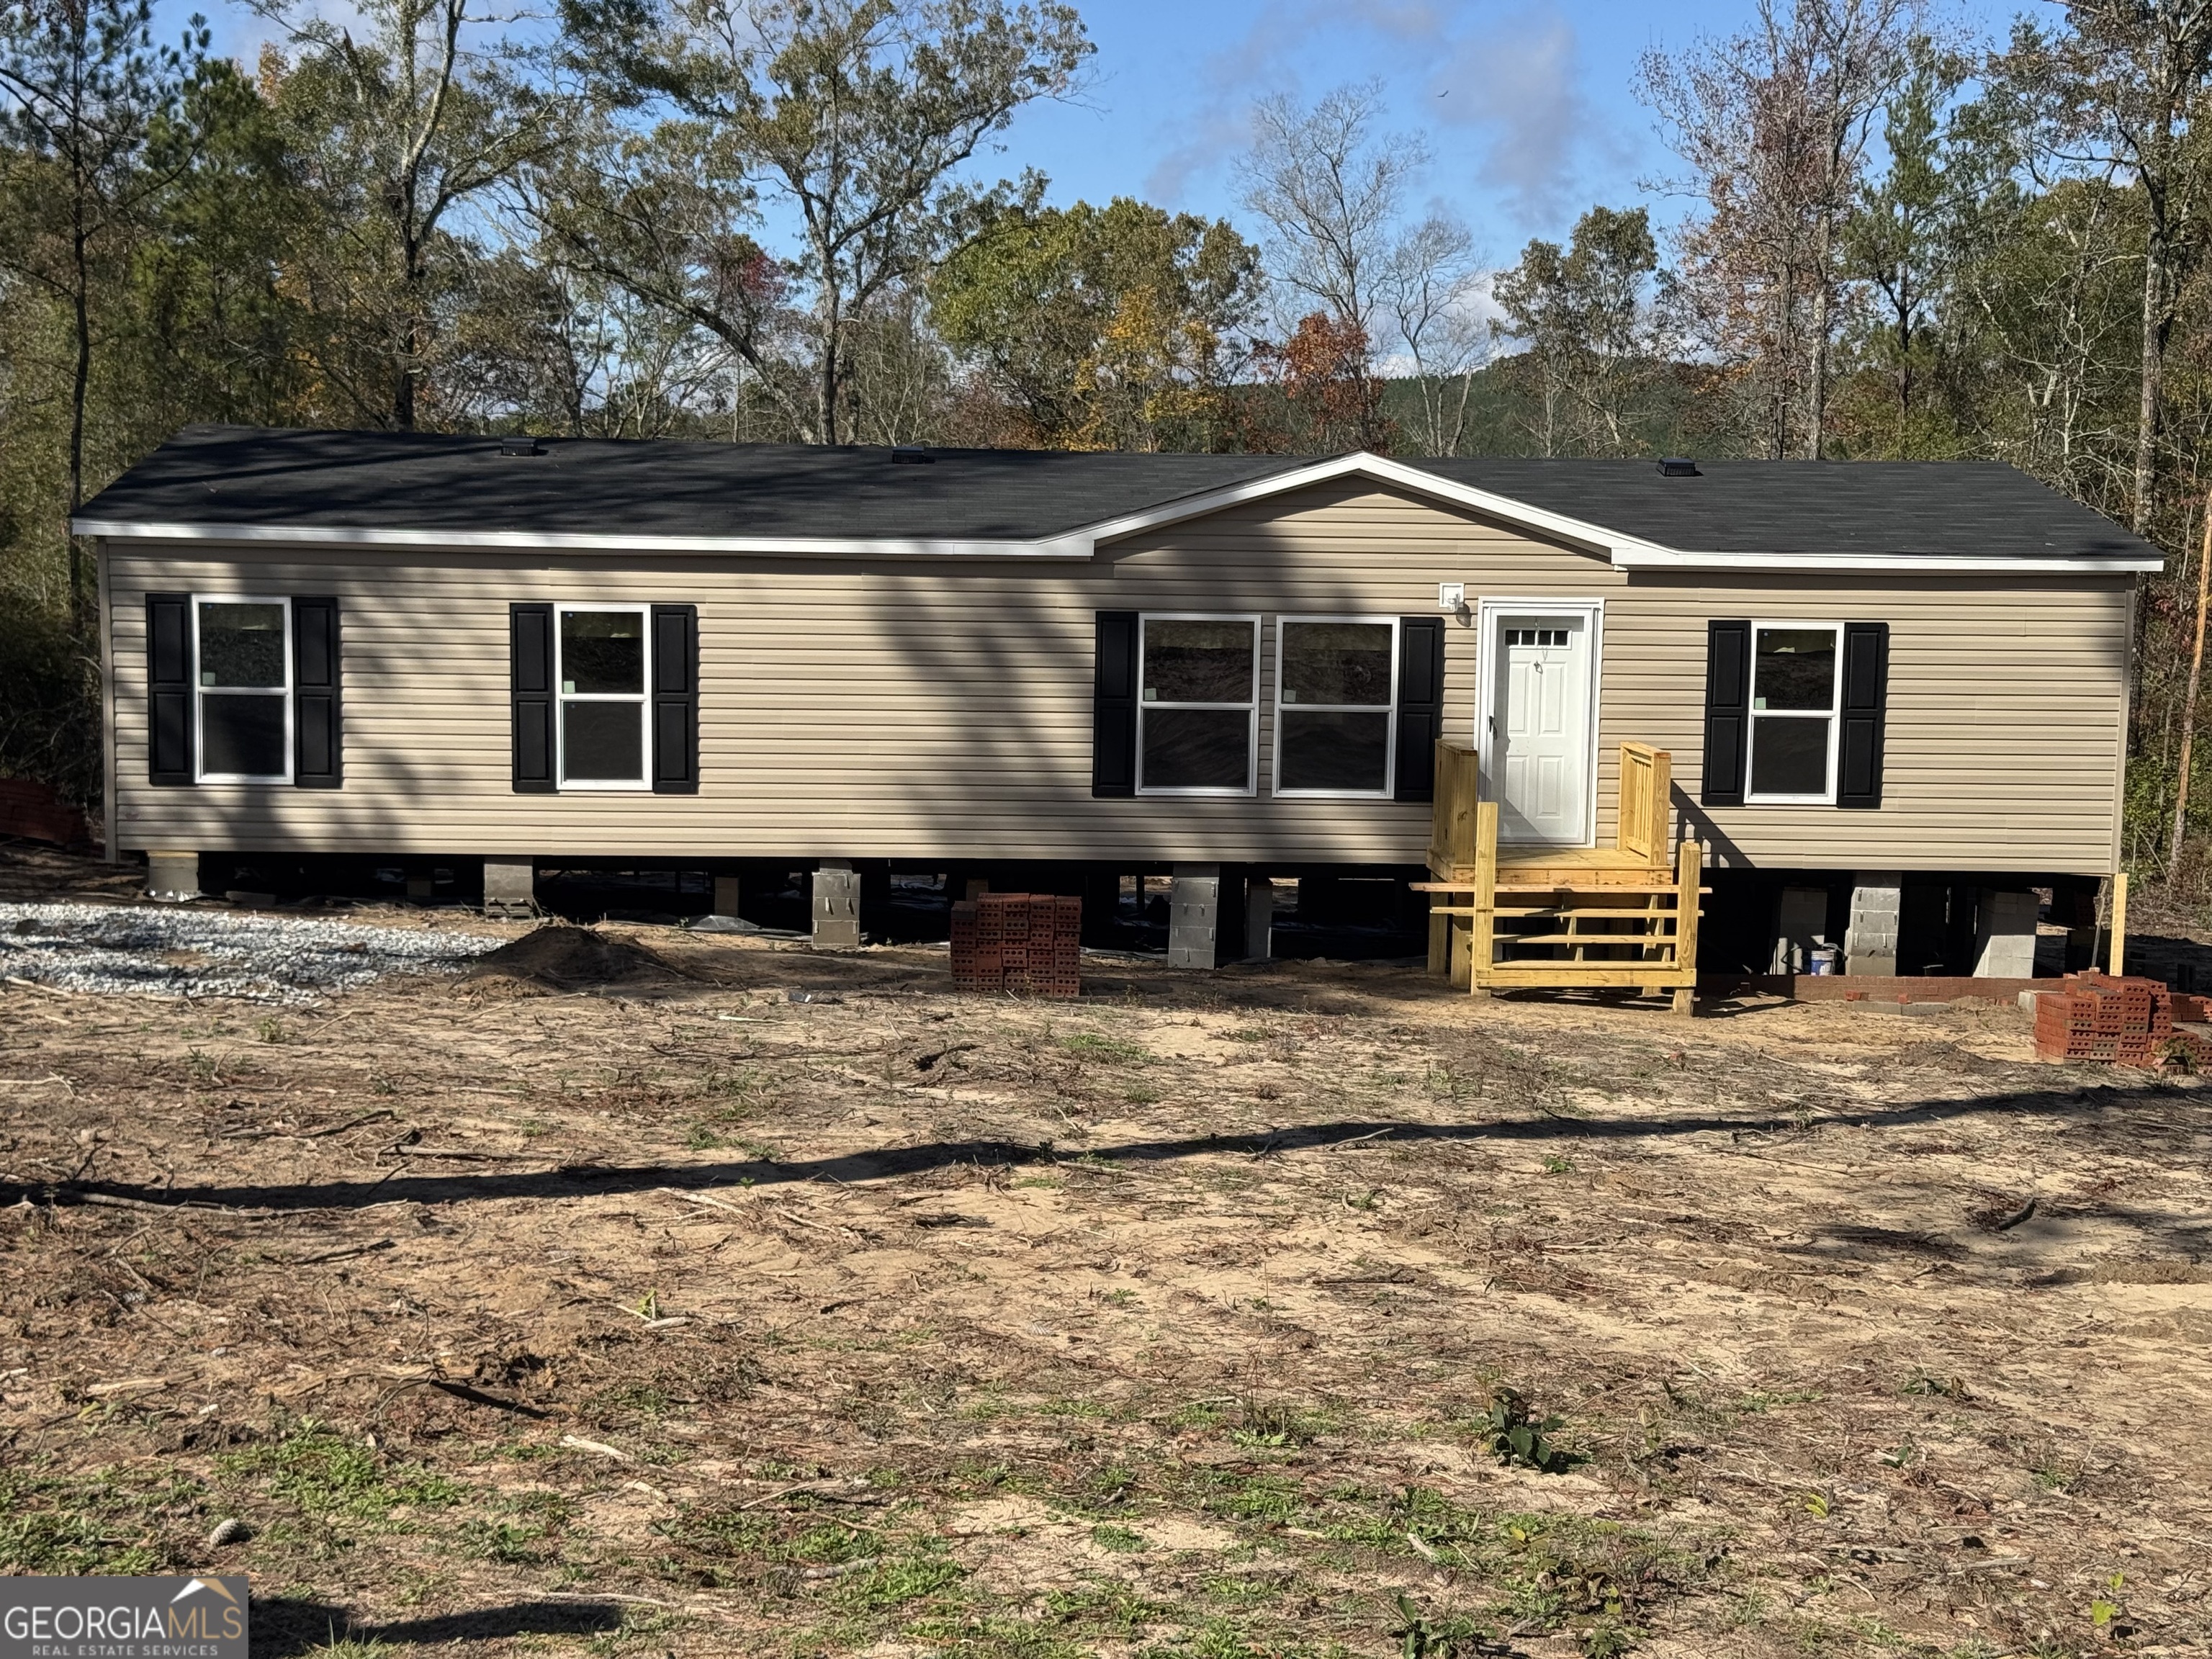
x=1326, y=396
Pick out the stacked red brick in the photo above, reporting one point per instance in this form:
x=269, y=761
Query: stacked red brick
x=2095, y=1017
x=1028, y=942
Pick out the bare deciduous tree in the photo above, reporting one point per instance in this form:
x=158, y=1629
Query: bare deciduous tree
x=1775, y=125
x=1430, y=285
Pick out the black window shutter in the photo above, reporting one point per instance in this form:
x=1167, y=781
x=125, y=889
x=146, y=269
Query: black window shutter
x=318, y=758
x=529, y=674
x=1114, y=706
x=1420, y=705
x=1728, y=711
x=1866, y=703
x=676, y=700
x=169, y=688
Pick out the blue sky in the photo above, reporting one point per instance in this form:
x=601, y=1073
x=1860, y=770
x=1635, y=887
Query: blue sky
x=1526, y=105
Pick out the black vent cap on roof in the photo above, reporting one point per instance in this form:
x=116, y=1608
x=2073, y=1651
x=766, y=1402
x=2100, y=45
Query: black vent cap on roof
x=912, y=455
x=520, y=447
x=1678, y=467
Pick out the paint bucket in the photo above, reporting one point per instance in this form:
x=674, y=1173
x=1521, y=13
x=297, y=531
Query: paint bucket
x=1820, y=960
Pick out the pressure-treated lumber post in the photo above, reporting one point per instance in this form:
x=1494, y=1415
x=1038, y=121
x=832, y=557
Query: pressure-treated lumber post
x=1689, y=877
x=2119, y=950
x=1482, y=950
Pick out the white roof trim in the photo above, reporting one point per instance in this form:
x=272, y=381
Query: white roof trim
x=1064, y=547
x=1626, y=552
x=1669, y=559
x=1381, y=470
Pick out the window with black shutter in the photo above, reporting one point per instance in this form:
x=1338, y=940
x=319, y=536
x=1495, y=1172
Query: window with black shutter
x=529, y=674
x=1727, y=707
x=318, y=750
x=1114, y=705
x=1865, y=710
x=243, y=689
x=604, y=698
x=1420, y=705
x=676, y=700
x=169, y=679
x=1794, y=713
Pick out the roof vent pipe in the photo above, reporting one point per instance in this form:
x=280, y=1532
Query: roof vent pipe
x=519, y=446
x=912, y=455
x=1677, y=467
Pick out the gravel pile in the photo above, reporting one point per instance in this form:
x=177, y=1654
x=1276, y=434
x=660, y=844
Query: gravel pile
x=150, y=951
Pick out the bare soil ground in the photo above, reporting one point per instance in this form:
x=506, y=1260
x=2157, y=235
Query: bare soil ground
x=663, y=1313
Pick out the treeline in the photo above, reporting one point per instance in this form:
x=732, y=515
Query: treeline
x=750, y=220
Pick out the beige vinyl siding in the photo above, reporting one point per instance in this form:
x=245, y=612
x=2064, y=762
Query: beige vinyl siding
x=941, y=709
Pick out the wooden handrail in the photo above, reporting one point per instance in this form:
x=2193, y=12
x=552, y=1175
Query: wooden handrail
x=1642, y=827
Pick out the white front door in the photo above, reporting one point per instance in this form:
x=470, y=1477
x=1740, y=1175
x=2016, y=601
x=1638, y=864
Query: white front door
x=1536, y=763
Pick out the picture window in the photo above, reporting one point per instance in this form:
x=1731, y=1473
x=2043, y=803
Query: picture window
x=1336, y=705
x=1198, y=713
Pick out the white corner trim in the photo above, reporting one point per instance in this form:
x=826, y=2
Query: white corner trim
x=1657, y=558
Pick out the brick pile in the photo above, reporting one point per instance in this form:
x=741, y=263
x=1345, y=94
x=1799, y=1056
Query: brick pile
x=2123, y=1021
x=1027, y=943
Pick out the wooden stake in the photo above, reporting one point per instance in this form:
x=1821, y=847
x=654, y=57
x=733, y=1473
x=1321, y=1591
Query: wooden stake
x=2189, y=702
x=2119, y=946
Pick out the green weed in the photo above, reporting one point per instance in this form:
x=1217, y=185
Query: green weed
x=907, y=1578
x=327, y=1476
x=87, y=1526
x=1514, y=1435
x=1120, y=1540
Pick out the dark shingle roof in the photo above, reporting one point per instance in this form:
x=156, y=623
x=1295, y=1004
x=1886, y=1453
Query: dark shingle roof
x=1956, y=508
x=271, y=478
x=597, y=486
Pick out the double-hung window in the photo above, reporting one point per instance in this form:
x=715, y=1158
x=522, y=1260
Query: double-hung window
x=1198, y=713
x=242, y=696
x=602, y=671
x=1336, y=698
x=1796, y=680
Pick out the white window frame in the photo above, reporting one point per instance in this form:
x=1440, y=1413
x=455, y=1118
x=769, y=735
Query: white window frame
x=201, y=688
x=1753, y=715
x=561, y=698
x=1258, y=621
x=1388, y=790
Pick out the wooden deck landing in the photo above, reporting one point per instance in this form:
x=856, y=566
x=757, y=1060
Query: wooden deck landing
x=1623, y=917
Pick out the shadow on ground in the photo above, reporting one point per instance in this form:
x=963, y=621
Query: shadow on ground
x=284, y=1628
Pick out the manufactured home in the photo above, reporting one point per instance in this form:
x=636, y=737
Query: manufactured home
x=1894, y=696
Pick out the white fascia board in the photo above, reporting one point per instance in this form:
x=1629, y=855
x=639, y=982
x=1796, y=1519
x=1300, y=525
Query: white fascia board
x=1666, y=559
x=1064, y=547
x=1380, y=470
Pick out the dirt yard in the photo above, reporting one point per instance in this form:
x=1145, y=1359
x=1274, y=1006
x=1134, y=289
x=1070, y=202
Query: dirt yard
x=769, y=1302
